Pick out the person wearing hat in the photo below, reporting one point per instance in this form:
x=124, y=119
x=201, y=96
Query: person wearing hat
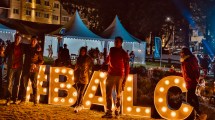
x=191, y=73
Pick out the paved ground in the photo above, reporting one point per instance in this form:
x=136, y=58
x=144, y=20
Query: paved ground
x=48, y=112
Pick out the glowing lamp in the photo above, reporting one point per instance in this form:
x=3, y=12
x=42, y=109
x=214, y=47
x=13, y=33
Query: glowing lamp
x=161, y=89
x=147, y=111
x=56, y=80
x=160, y=100
x=90, y=95
x=71, y=72
x=97, y=81
x=57, y=70
x=74, y=93
x=56, y=99
x=63, y=71
x=129, y=109
x=56, y=89
x=129, y=98
x=62, y=85
x=185, y=109
x=164, y=109
x=102, y=74
x=173, y=114
x=88, y=103
x=62, y=100
x=167, y=82
x=71, y=100
x=68, y=86
x=138, y=110
x=176, y=81
x=94, y=88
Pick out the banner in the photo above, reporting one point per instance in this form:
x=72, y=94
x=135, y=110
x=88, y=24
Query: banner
x=157, y=52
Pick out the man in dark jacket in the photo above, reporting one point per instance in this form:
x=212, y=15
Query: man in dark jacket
x=33, y=59
x=118, y=70
x=191, y=73
x=14, y=55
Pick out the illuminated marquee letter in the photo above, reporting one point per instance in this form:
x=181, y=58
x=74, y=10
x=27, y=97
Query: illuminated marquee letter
x=98, y=78
x=160, y=98
x=58, y=84
x=41, y=78
x=127, y=101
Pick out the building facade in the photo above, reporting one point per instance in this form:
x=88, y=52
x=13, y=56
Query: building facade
x=41, y=11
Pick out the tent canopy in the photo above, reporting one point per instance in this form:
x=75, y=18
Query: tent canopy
x=75, y=27
x=3, y=27
x=117, y=29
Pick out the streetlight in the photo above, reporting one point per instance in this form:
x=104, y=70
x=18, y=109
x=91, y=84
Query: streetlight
x=168, y=19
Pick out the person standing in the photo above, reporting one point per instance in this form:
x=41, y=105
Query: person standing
x=83, y=68
x=32, y=62
x=205, y=64
x=14, y=55
x=65, y=57
x=191, y=72
x=50, y=51
x=118, y=70
x=2, y=59
x=132, y=56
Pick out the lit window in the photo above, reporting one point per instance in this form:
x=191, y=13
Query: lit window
x=37, y=14
x=46, y=15
x=56, y=5
x=15, y=11
x=28, y=12
x=46, y=3
x=54, y=17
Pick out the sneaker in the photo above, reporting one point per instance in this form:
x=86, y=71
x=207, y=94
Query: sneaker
x=8, y=102
x=36, y=103
x=15, y=102
x=202, y=117
x=107, y=115
x=80, y=107
x=75, y=109
x=117, y=115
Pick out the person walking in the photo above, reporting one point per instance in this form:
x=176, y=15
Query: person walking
x=32, y=62
x=132, y=56
x=83, y=68
x=191, y=72
x=118, y=70
x=2, y=59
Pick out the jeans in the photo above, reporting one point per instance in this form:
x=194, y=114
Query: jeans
x=14, y=76
x=192, y=99
x=24, y=85
x=80, y=90
x=1, y=80
x=111, y=83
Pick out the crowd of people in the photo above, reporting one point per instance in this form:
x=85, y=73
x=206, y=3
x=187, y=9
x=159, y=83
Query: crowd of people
x=22, y=62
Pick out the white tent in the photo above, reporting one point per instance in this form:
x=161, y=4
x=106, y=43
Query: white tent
x=130, y=42
x=75, y=35
x=6, y=33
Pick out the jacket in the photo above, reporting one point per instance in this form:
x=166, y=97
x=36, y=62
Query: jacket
x=32, y=56
x=82, y=69
x=9, y=54
x=190, y=71
x=118, y=62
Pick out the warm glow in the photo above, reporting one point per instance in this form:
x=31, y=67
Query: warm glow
x=129, y=109
x=71, y=100
x=94, y=88
x=38, y=76
x=45, y=77
x=184, y=85
x=71, y=72
x=62, y=100
x=176, y=81
x=129, y=78
x=129, y=98
x=100, y=99
x=62, y=85
x=164, y=109
x=74, y=93
x=161, y=89
x=73, y=78
x=173, y=114
x=90, y=95
x=88, y=103
x=44, y=69
x=96, y=81
x=56, y=89
x=160, y=100
x=63, y=71
x=68, y=86
x=185, y=109
x=41, y=83
x=38, y=97
x=56, y=99
x=138, y=110
x=28, y=97
x=45, y=90
x=147, y=111
x=167, y=82
x=104, y=82
x=129, y=89
x=102, y=74
x=28, y=88
x=56, y=80
x=57, y=70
